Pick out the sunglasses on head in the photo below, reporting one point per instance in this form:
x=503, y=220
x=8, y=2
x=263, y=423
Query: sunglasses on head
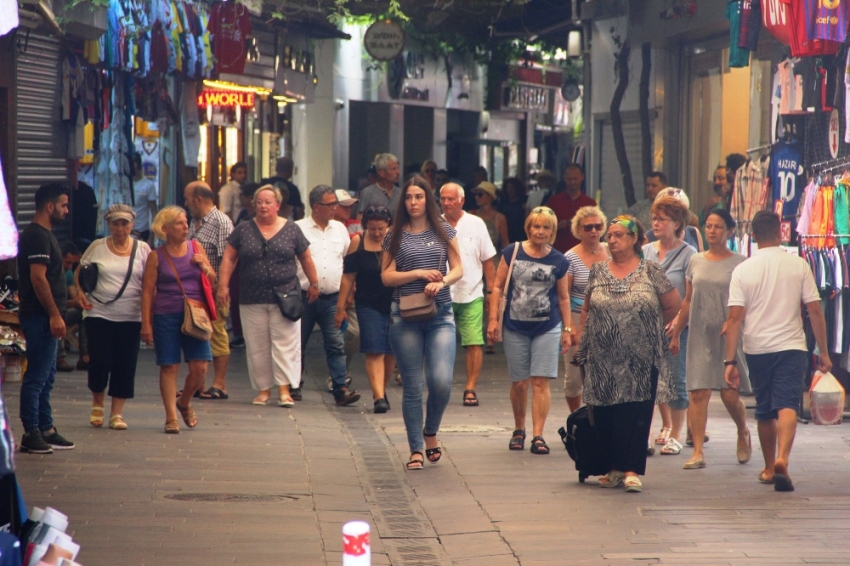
x=591, y=227
x=543, y=210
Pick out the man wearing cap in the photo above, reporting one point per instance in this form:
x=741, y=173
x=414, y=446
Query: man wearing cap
x=546, y=183
x=566, y=203
x=384, y=192
x=342, y=212
x=476, y=255
x=329, y=243
x=495, y=221
x=211, y=228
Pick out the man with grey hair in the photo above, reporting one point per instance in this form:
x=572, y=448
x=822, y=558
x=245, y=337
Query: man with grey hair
x=476, y=256
x=329, y=242
x=384, y=192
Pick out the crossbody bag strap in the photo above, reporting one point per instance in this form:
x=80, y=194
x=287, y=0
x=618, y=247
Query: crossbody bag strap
x=511, y=269
x=129, y=273
x=678, y=252
x=174, y=269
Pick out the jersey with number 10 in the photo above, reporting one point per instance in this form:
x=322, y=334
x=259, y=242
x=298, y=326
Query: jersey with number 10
x=827, y=19
x=786, y=176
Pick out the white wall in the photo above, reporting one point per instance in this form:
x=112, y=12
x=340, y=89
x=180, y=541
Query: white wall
x=603, y=56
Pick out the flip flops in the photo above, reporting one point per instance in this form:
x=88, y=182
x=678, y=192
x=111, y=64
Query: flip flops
x=214, y=393
x=470, y=399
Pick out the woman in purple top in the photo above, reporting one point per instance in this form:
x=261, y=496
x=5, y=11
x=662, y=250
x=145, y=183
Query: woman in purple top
x=162, y=313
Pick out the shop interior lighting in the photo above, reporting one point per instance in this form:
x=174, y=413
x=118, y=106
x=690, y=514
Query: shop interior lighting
x=237, y=87
x=285, y=99
x=574, y=43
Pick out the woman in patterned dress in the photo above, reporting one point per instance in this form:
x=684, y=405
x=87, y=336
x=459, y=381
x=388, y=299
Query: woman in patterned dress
x=624, y=350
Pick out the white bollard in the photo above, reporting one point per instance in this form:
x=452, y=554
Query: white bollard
x=355, y=544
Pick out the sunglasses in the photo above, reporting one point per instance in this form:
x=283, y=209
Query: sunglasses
x=591, y=227
x=328, y=204
x=543, y=210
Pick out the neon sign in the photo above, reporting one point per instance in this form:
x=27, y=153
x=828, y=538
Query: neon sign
x=226, y=98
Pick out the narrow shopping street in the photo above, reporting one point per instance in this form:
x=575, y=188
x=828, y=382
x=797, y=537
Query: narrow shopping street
x=265, y=485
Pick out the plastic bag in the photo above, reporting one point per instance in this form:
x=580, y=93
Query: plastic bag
x=827, y=397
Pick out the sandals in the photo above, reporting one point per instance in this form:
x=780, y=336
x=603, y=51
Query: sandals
x=539, y=446
x=633, y=484
x=116, y=422
x=213, y=393
x=172, y=426
x=490, y=349
x=415, y=464
x=433, y=454
x=286, y=402
x=672, y=448
x=188, y=414
x=611, y=479
x=517, y=440
x=663, y=436
x=262, y=399
x=96, y=416
x=470, y=399
x=689, y=440
x=744, y=454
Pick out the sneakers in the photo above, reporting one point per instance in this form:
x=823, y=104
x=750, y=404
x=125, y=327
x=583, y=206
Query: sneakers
x=238, y=342
x=346, y=396
x=330, y=382
x=34, y=443
x=57, y=441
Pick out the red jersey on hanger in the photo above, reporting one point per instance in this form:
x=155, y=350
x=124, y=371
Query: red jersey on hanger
x=774, y=17
x=230, y=28
x=800, y=14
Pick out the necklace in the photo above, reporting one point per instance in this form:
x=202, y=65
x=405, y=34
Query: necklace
x=269, y=227
x=125, y=250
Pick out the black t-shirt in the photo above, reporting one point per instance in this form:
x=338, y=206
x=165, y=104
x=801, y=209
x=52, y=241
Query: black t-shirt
x=370, y=291
x=294, y=192
x=39, y=245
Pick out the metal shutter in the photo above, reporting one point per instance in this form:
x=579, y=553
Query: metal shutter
x=39, y=127
x=613, y=200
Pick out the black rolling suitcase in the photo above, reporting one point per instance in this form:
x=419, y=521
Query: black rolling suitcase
x=579, y=438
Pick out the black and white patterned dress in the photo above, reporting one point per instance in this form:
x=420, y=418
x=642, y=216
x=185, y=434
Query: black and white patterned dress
x=623, y=337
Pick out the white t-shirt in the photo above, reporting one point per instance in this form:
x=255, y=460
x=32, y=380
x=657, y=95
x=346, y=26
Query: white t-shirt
x=475, y=248
x=111, y=271
x=228, y=199
x=328, y=248
x=771, y=285
x=145, y=192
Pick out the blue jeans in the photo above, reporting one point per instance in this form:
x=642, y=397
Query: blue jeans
x=41, y=373
x=323, y=311
x=434, y=342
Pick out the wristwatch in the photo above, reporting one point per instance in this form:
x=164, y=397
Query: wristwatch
x=445, y=283
x=314, y=285
x=730, y=362
x=568, y=329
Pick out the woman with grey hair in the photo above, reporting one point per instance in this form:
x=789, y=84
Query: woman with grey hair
x=112, y=314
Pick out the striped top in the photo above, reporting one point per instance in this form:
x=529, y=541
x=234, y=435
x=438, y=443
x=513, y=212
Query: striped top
x=579, y=272
x=424, y=250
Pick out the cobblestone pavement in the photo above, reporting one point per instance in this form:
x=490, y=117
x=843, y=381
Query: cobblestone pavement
x=265, y=485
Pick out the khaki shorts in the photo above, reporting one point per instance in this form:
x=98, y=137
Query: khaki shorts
x=220, y=341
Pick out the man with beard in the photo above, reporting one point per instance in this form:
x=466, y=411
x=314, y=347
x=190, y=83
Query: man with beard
x=43, y=297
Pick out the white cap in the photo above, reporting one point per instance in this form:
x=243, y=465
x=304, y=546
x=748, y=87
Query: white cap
x=673, y=192
x=344, y=197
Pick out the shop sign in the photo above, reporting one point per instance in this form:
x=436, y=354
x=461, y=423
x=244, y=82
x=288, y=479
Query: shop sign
x=525, y=97
x=226, y=99
x=833, y=133
x=384, y=40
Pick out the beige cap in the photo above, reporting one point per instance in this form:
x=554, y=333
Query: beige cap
x=487, y=187
x=344, y=197
x=120, y=212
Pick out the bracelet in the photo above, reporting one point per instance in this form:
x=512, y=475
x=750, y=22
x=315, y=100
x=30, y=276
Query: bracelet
x=730, y=362
x=568, y=329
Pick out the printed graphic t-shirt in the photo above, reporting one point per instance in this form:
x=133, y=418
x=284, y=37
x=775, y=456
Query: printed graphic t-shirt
x=786, y=176
x=532, y=306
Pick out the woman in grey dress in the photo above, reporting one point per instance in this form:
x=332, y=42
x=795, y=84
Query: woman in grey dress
x=704, y=307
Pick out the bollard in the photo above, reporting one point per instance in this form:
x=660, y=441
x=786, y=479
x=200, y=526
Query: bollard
x=355, y=544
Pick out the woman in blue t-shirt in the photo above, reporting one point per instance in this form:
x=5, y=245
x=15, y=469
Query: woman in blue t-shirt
x=417, y=249
x=536, y=321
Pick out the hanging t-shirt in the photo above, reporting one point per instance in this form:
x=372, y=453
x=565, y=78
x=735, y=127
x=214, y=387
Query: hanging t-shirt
x=738, y=57
x=774, y=18
x=748, y=37
x=827, y=19
x=230, y=27
x=803, y=43
x=787, y=176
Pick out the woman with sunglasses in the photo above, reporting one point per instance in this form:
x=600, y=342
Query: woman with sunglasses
x=417, y=250
x=266, y=248
x=362, y=274
x=623, y=349
x=587, y=225
x=536, y=322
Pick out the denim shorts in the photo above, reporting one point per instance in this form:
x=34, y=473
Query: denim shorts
x=527, y=357
x=777, y=380
x=374, y=331
x=168, y=341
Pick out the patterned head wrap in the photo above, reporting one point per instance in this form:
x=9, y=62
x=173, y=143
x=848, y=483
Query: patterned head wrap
x=627, y=222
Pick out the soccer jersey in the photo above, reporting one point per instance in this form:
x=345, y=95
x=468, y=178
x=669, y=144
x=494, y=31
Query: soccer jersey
x=774, y=18
x=827, y=19
x=786, y=176
x=738, y=56
x=748, y=37
x=801, y=14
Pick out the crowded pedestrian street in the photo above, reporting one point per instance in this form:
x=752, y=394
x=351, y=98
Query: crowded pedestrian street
x=266, y=485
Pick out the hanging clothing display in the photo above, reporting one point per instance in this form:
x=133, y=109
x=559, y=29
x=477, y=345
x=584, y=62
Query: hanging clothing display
x=787, y=176
x=230, y=27
x=750, y=192
x=8, y=230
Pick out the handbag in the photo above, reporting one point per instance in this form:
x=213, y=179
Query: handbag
x=289, y=302
x=206, y=288
x=196, y=319
x=88, y=277
x=503, y=298
x=419, y=307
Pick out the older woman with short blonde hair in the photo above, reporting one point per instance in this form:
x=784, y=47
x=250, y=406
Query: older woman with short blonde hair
x=588, y=226
x=536, y=323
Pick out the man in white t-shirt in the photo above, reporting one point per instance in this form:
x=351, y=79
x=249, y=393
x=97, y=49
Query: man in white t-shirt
x=476, y=254
x=145, y=198
x=765, y=296
x=228, y=196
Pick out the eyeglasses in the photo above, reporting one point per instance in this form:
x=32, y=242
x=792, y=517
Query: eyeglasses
x=617, y=235
x=328, y=204
x=543, y=210
x=592, y=227
x=659, y=219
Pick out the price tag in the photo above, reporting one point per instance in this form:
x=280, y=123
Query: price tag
x=785, y=232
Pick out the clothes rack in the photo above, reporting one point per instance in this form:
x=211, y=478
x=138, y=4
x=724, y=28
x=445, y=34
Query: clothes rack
x=832, y=164
x=758, y=148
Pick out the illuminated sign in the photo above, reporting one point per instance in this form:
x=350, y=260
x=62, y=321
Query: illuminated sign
x=226, y=98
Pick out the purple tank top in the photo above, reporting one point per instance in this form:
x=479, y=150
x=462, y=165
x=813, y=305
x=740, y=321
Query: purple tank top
x=169, y=299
